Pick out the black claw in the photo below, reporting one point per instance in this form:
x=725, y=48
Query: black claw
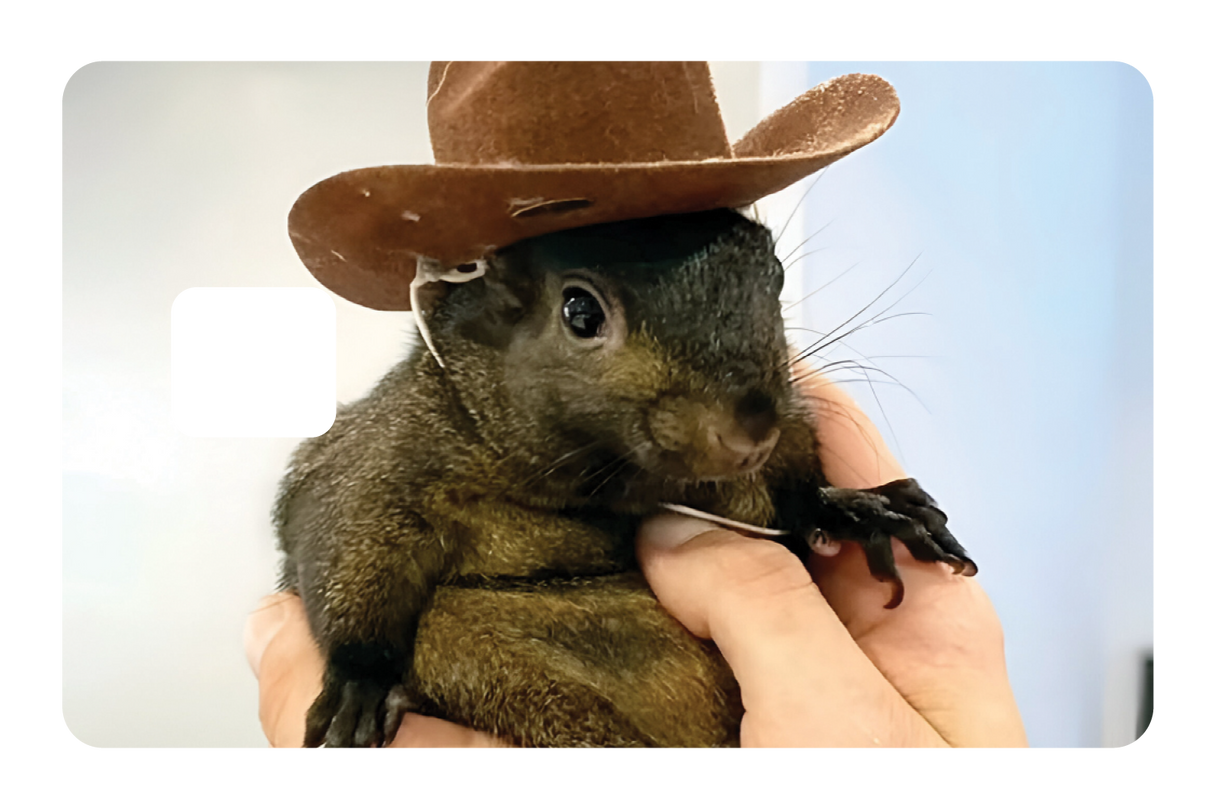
x=395, y=707
x=963, y=566
x=366, y=734
x=320, y=715
x=361, y=706
x=899, y=592
x=872, y=518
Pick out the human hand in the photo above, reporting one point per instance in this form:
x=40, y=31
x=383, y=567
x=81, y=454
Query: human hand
x=289, y=669
x=819, y=659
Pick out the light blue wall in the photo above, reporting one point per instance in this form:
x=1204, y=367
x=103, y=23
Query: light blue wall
x=1025, y=192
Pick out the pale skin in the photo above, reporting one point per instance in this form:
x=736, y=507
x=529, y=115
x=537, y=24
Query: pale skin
x=819, y=659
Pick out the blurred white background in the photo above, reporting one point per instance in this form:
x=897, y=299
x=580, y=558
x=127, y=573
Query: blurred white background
x=1019, y=196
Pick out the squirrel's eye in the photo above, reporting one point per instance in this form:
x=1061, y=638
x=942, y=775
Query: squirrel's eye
x=583, y=313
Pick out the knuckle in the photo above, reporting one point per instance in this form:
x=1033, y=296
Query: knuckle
x=760, y=569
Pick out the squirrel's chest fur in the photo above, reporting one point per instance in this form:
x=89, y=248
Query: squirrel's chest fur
x=533, y=623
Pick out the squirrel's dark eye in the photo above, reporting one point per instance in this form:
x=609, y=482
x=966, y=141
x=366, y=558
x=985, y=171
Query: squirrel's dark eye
x=583, y=313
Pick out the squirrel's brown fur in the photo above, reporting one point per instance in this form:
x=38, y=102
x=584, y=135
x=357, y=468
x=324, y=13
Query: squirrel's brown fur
x=463, y=536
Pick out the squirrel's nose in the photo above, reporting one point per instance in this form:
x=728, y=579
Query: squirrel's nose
x=745, y=442
x=715, y=440
x=736, y=451
x=756, y=415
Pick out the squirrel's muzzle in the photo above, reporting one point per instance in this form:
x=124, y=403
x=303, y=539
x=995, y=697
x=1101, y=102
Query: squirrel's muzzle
x=709, y=441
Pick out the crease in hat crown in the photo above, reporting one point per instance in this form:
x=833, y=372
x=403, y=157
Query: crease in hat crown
x=527, y=148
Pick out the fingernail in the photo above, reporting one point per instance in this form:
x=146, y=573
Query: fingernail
x=667, y=531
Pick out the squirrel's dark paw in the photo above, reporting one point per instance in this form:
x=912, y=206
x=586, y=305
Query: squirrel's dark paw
x=902, y=510
x=357, y=710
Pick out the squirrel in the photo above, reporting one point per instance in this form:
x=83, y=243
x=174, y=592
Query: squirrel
x=462, y=537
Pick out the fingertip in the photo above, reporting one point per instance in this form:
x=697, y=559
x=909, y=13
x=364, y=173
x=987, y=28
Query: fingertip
x=263, y=623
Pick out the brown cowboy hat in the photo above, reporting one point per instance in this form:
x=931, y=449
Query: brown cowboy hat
x=527, y=148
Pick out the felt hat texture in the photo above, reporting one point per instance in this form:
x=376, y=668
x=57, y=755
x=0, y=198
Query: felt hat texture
x=527, y=148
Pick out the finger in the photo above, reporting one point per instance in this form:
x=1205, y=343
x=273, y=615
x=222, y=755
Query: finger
x=860, y=599
x=943, y=647
x=262, y=624
x=853, y=454
x=803, y=679
x=288, y=665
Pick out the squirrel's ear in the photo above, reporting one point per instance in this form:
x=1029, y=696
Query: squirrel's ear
x=508, y=291
x=505, y=297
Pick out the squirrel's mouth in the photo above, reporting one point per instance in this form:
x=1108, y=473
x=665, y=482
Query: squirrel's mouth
x=716, y=458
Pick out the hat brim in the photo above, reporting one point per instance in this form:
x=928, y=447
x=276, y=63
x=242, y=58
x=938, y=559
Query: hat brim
x=360, y=232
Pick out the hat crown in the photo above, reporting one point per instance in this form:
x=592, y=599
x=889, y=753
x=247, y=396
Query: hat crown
x=524, y=149
x=562, y=113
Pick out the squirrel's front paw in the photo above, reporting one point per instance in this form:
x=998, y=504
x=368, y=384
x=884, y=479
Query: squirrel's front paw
x=360, y=705
x=901, y=509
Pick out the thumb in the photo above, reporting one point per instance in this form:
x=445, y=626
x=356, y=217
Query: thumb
x=803, y=679
x=752, y=597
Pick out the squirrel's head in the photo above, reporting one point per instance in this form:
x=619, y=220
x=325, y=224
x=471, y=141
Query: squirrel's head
x=654, y=344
